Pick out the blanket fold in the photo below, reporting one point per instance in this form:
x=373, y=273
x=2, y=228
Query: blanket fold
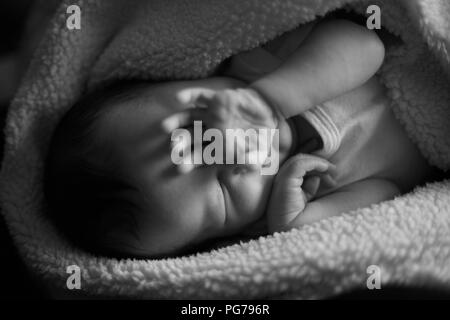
x=407, y=238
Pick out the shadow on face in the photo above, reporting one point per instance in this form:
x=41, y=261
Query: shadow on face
x=181, y=210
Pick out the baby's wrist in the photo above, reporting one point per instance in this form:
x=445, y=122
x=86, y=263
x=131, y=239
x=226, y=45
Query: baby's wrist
x=287, y=140
x=255, y=92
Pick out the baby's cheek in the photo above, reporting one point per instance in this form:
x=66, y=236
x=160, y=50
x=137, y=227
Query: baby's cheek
x=252, y=195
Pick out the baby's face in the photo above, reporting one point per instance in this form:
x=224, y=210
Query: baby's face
x=183, y=209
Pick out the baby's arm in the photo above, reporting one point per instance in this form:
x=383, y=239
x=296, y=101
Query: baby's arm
x=289, y=206
x=357, y=195
x=337, y=56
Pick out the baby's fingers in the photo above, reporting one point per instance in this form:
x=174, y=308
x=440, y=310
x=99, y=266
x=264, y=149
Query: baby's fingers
x=177, y=120
x=310, y=187
x=299, y=165
x=216, y=107
x=190, y=96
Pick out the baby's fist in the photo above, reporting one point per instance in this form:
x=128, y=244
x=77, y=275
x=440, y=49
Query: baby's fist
x=296, y=183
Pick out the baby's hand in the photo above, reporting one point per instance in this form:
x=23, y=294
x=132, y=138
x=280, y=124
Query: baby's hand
x=235, y=109
x=296, y=183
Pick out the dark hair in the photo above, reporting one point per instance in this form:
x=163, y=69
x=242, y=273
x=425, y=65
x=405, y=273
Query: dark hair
x=85, y=192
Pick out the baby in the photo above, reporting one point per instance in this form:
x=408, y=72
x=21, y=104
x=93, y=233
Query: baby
x=114, y=189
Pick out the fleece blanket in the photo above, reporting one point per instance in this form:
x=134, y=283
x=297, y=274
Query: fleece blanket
x=408, y=238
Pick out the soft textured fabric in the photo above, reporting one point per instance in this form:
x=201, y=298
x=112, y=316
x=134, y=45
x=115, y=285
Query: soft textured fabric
x=408, y=238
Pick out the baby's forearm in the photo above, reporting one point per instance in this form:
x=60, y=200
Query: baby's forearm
x=336, y=57
x=360, y=194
